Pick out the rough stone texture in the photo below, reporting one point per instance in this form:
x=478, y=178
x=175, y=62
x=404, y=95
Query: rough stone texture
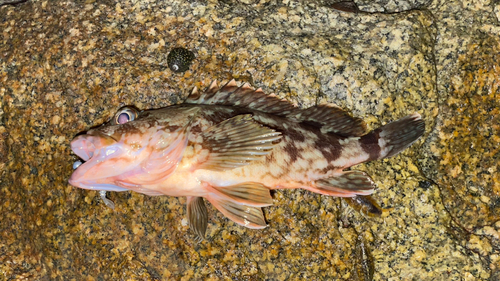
x=66, y=66
x=391, y=6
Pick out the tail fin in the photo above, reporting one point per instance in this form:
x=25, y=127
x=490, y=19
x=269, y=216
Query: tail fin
x=393, y=137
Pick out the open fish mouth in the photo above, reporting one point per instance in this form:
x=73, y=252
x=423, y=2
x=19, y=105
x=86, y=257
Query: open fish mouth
x=130, y=161
x=99, y=152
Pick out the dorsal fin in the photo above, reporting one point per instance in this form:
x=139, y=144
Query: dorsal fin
x=328, y=118
x=244, y=96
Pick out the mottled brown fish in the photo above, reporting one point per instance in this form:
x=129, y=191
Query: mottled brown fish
x=231, y=146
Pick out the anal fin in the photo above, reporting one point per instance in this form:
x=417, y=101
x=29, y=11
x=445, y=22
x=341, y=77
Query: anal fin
x=197, y=216
x=348, y=184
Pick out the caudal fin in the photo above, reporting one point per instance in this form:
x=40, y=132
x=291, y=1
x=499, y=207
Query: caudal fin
x=394, y=137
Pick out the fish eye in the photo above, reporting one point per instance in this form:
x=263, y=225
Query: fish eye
x=125, y=115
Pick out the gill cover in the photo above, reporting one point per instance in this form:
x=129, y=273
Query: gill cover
x=166, y=150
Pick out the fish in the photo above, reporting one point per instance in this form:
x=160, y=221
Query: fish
x=231, y=145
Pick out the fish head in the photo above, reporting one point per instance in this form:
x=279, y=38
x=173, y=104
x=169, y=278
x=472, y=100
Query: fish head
x=134, y=149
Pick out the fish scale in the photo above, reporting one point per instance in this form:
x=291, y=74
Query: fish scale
x=231, y=145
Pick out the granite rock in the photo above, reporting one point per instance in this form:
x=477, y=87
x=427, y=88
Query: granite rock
x=391, y=6
x=66, y=66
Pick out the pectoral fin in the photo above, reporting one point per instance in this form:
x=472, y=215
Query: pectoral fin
x=237, y=142
x=106, y=201
x=348, y=184
x=197, y=216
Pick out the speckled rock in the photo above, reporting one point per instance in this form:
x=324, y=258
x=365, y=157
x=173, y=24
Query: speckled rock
x=67, y=66
x=391, y=6
x=465, y=143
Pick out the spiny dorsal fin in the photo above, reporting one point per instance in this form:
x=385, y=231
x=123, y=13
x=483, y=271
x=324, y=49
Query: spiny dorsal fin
x=330, y=119
x=244, y=96
x=203, y=97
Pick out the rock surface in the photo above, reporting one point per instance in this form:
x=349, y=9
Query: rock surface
x=66, y=66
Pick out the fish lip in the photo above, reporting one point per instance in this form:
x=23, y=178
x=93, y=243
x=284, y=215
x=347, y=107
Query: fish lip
x=76, y=177
x=74, y=182
x=85, y=146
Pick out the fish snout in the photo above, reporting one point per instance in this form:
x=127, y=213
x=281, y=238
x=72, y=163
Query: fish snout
x=85, y=145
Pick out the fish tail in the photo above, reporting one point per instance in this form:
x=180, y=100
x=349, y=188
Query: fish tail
x=383, y=142
x=394, y=137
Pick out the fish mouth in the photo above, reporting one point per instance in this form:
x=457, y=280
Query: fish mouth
x=95, y=149
x=118, y=165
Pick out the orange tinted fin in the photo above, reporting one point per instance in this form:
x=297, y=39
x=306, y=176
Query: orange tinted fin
x=348, y=184
x=237, y=142
x=249, y=193
x=248, y=216
x=197, y=216
x=241, y=203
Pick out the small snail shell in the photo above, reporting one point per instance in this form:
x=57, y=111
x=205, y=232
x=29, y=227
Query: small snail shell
x=179, y=59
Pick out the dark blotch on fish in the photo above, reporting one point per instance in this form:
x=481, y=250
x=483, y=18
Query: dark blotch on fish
x=312, y=124
x=179, y=59
x=292, y=150
x=327, y=151
x=368, y=145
